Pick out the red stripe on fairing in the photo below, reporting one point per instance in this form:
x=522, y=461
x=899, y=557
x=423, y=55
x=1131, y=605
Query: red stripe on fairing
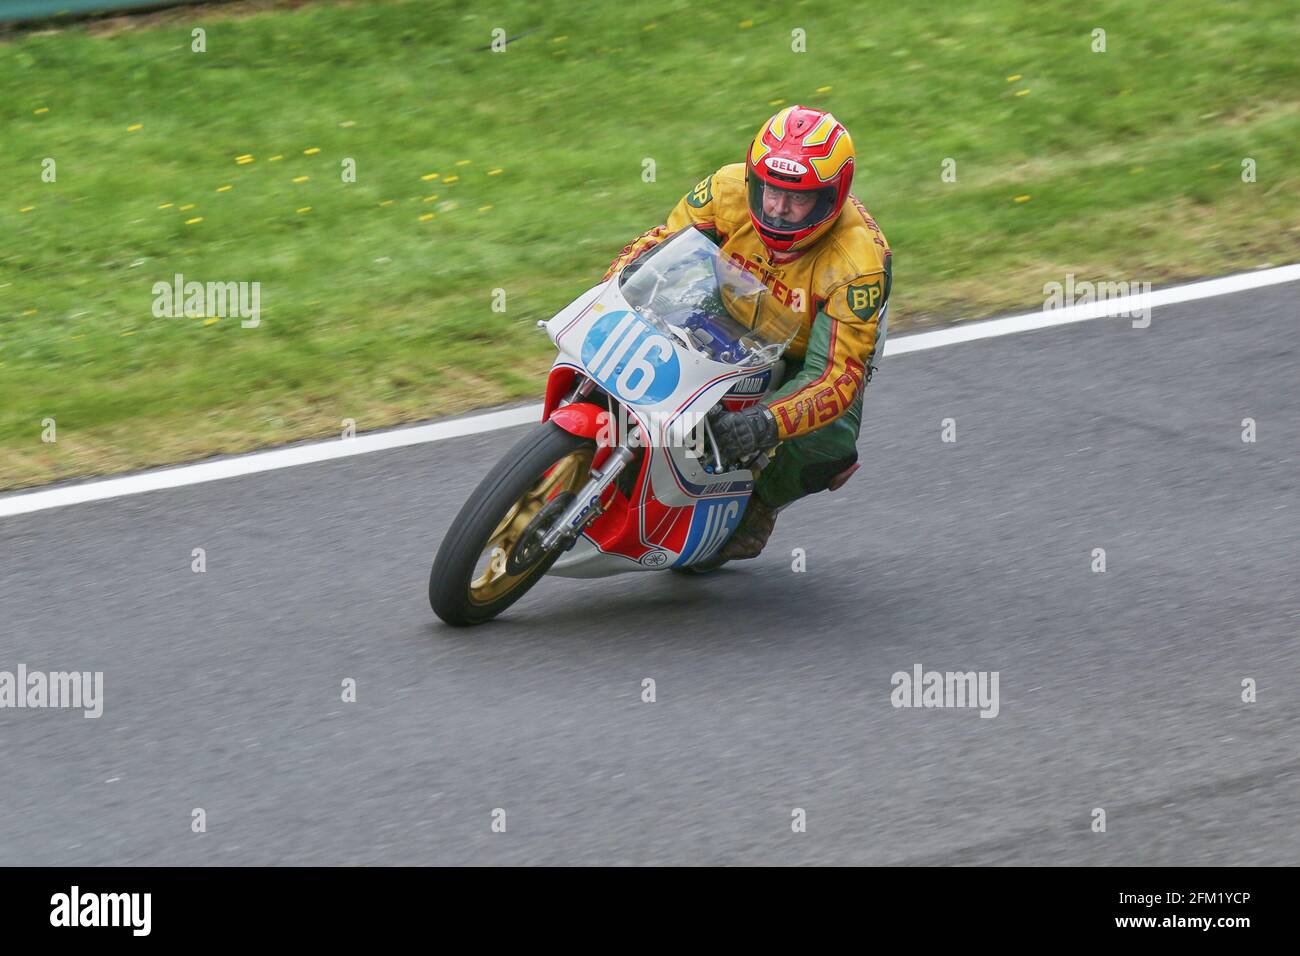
x=654, y=514
x=675, y=539
x=713, y=381
x=576, y=319
x=672, y=537
x=668, y=530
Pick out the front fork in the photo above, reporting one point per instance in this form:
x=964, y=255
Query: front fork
x=586, y=506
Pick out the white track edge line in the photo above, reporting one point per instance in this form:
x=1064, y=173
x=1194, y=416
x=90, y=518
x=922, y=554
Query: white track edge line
x=25, y=502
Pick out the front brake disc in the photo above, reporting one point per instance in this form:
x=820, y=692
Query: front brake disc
x=528, y=549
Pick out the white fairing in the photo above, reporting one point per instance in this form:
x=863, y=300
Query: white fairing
x=667, y=389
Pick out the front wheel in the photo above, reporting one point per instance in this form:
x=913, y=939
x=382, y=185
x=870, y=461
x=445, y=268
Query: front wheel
x=490, y=558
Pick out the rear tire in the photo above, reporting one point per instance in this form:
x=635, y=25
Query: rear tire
x=459, y=595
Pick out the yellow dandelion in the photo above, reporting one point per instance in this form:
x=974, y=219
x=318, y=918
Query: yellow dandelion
x=245, y=159
x=746, y=24
x=1022, y=198
x=129, y=332
x=495, y=172
x=386, y=202
x=207, y=322
x=430, y=177
x=135, y=126
x=452, y=179
x=304, y=209
x=430, y=198
x=31, y=311
x=1013, y=77
x=559, y=39
x=775, y=102
x=1217, y=166
x=301, y=179
x=463, y=162
x=426, y=217
x=312, y=151
x=27, y=209
x=190, y=222
x=165, y=205
x=275, y=159
x=188, y=205
x=224, y=189
x=823, y=89
x=43, y=109
x=485, y=208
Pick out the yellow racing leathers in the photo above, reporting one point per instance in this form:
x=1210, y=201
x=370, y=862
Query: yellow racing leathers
x=839, y=286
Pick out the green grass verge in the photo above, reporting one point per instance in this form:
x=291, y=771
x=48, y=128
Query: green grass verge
x=377, y=297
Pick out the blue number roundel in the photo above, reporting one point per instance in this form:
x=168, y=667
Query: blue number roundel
x=630, y=358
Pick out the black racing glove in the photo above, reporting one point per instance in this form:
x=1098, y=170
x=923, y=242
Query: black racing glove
x=740, y=434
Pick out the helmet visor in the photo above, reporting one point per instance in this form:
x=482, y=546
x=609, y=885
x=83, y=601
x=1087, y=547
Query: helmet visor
x=788, y=210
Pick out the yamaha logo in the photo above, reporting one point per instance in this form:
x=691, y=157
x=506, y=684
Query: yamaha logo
x=654, y=559
x=787, y=166
x=752, y=385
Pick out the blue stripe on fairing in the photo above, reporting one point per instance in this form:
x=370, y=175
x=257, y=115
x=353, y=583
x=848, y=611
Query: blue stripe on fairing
x=712, y=523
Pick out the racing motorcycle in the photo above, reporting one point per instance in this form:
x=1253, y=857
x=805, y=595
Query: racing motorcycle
x=623, y=473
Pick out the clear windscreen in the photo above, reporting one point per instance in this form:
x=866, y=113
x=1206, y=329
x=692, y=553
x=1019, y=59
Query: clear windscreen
x=690, y=292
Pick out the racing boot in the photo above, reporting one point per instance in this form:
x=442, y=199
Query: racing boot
x=751, y=535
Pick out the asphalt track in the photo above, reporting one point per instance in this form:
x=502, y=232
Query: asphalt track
x=1119, y=690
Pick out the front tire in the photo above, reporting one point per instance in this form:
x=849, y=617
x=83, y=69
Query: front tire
x=544, y=464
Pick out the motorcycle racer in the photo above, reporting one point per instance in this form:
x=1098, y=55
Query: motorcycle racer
x=786, y=216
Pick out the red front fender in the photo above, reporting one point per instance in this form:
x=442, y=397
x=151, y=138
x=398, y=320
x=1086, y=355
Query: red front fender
x=583, y=419
x=586, y=420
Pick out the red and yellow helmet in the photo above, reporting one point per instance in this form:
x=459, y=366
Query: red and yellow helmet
x=798, y=172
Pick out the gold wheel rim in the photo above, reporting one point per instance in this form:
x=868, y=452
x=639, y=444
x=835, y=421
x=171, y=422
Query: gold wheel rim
x=570, y=473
